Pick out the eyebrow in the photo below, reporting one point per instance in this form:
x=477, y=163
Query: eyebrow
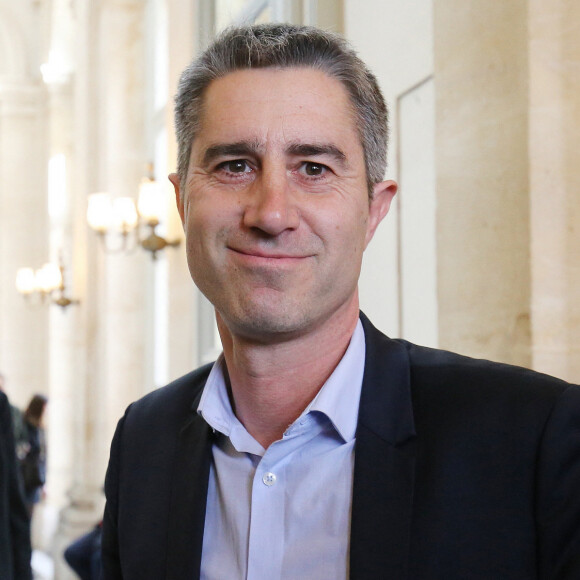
x=240, y=148
x=253, y=148
x=315, y=150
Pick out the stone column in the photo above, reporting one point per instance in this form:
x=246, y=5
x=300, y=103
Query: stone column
x=554, y=144
x=70, y=489
x=183, y=42
x=124, y=326
x=109, y=135
x=76, y=474
x=63, y=343
x=23, y=235
x=481, y=82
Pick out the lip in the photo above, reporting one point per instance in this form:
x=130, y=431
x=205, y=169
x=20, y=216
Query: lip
x=259, y=255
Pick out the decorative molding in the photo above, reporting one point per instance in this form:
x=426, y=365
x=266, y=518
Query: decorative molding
x=13, y=53
x=21, y=98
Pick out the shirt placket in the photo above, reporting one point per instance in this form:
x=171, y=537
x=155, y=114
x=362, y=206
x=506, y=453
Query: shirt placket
x=266, y=534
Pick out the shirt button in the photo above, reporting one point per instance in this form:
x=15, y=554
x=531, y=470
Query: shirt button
x=269, y=479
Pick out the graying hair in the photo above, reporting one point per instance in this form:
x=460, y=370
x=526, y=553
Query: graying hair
x=285, y=46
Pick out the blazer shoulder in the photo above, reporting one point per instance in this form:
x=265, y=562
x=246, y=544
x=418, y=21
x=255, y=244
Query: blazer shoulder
x=445, y=362
x=452, y=376
x=435, y=369
x=436, y=365
x=176, y=398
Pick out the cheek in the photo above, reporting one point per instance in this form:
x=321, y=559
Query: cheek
x=213, y=209
x=196, y=234
x=200, y=215
x=207, y=232
x=354, y=231
x=344, y=245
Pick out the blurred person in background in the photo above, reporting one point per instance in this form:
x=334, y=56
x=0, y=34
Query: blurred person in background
x=84, y=554
x=32, y=451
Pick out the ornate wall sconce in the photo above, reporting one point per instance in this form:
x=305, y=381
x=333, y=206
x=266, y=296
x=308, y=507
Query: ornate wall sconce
x=45, y=285
x=105, y=215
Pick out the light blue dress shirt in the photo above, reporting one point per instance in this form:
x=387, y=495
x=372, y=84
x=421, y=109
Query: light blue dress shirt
x=283, y=513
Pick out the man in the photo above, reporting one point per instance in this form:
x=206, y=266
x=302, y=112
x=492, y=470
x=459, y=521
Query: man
x=15, y=549
x=316, y=447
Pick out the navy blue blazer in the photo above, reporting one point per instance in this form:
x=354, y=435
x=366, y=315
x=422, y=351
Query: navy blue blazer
x=464, y=469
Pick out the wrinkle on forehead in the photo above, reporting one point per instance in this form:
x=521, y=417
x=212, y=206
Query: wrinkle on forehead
x=285, y=111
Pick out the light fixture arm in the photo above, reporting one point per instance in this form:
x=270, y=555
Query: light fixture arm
x=127, y=245
x=154, y=243
x=61, y=298
x=46, y=284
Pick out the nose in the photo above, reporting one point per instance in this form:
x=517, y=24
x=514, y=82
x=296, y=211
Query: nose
x=271, y=207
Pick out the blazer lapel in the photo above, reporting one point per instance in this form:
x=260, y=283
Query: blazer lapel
x=188, y=499
x=384, y=468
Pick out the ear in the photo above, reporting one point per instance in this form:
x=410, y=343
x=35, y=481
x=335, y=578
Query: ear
x=174, y=178
x=379, y=206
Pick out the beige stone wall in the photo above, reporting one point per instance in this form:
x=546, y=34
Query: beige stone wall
x=554, y=148
x=481, y=142
x=508, y=152
x=395, y=41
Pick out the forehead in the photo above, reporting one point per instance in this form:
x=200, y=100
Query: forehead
x=278, y=105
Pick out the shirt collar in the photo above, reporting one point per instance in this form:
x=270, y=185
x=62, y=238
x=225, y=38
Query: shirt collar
x=338, y=398
x=214, y=405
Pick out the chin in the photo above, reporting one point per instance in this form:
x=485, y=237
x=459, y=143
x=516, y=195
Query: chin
x=267, y=324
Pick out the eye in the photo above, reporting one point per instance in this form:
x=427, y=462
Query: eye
x=235, y=166
x=314, y=169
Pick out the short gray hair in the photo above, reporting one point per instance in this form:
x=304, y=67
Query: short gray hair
x=285, y=46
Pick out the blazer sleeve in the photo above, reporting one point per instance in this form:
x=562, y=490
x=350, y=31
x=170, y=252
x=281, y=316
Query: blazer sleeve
x=558, y=491
x=111, y=569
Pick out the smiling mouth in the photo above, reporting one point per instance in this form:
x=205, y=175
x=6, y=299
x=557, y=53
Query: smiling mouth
x=260, y=255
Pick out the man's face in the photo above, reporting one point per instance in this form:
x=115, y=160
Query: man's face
x=275, y=207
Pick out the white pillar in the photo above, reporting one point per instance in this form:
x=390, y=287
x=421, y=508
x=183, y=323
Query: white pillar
x=76, y=473
x=110, y=322
x=23, y=235
x=126, y=315
x=481, y=146
x=183, y=20
x=554, y=143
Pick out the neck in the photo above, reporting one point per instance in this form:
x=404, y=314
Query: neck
x=271, y=384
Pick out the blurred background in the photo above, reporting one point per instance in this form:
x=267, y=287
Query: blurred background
x=481, y=253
